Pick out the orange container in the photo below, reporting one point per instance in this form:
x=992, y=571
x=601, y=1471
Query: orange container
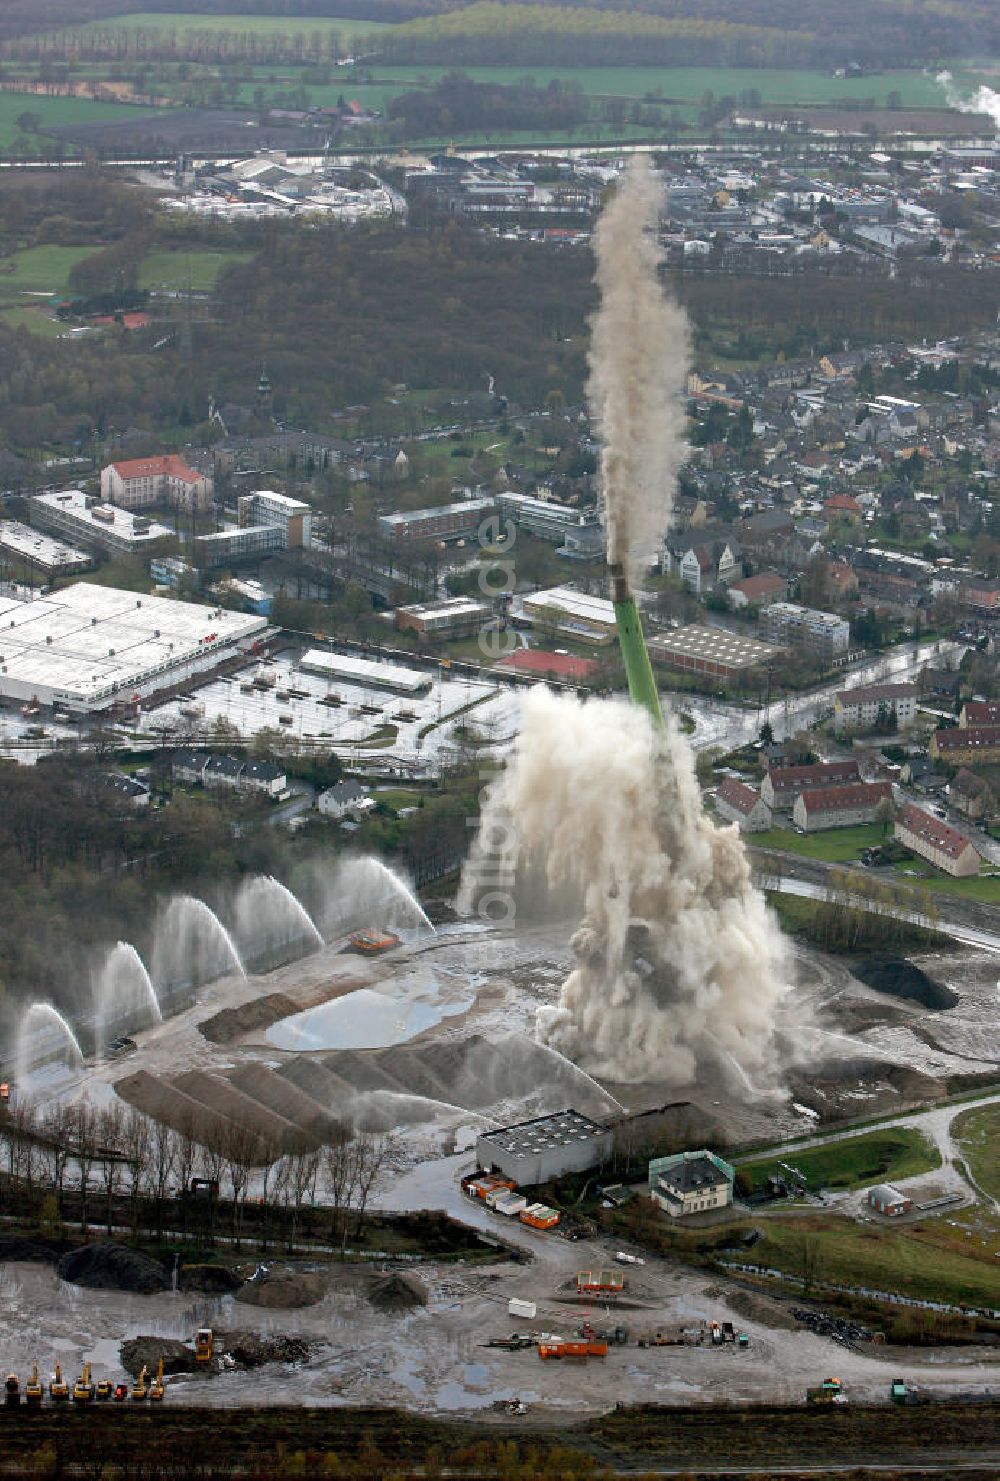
x=597, y=1349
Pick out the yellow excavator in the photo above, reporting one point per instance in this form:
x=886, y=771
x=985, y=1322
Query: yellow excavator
x=203, y=1345
x=105, y=1389
x=33, y=1389
x=83, y=1388
x=12, y=1391
x=156, y=1387
x=58, y=1387
x=140, y=1389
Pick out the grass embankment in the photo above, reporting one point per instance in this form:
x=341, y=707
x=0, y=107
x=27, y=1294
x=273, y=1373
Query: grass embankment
x=978, y=1134
x=853, y=1162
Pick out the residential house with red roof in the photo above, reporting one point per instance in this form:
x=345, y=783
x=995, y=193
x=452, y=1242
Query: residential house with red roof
x=140, y=482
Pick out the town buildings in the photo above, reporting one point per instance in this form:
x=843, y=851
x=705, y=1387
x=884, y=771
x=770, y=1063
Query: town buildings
x=441, y=522
x=269, y=510
x=823, y=635
x=88, y=523
x=451, y=617
x=965, y=746
x=817, y=808
x=40, y=553
x=870, y=705
x=936, y=841
x=691, y=1183
x=141, y=482
x=738, y=803
x=782, y=785
x=757, y=591
x=573, y=612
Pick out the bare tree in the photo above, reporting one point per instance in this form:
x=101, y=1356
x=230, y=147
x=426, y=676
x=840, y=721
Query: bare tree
x=187, y=1149
x=340, y=1164
x=373, y=1151
x=135, y=1148
x=85, y=1137
x=162, y=1161
x=243, y=1150
x=57, y=1126
x=301, y=1170
x=109, y=1133
x=213, y=1161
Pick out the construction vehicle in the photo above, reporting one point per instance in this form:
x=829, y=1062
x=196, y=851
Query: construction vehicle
x=728, y=1332
x=105, y=1389
x=58, y=1387
x=372, y=942
x=203, y=1345
x=743, y=1340
x=830, y=1391
x=33, y=1390
x=901, y=1392
x=83, y=1388
x=12, y=1391
x=156, y=1387
x=140, y=1388
x=120, y=1393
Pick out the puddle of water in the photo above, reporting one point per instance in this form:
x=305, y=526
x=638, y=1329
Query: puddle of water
x=365, y=1019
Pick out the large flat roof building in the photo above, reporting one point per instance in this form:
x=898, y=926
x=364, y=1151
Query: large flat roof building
x=548, y=1147
x=451, y=617
x=572, y=612
x=87, y=648
x=439, y=522
x=42, y=553
x=368, y=672
x=88, y=522
x=291, y=516
x=712, y=651
x=231, y=547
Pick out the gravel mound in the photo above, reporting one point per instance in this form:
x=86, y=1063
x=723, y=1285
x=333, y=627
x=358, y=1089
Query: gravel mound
x=253, y=1349
x=208, y=1280
x=113, y=1267
x=146, y=1352
x=901, y=979
x=278, y=1289
x=397, y=1292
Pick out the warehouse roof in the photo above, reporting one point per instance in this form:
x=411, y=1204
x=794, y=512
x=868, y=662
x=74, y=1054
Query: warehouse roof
x=43, y=550
x=364, y=670
x=714, y=645
x=545, y=1132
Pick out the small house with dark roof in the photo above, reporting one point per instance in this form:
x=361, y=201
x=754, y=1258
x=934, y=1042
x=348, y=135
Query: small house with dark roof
x=970, y=794
x=222, y=771
x=691, y=1183
x=263, y=776
x=188, y=764
x=738, y=803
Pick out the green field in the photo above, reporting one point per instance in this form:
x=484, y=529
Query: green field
x=165, y=271
x=978, y=1134
x=41, y=270
x=690, y=84
x=262, y=25
x=854, y=1162
x=34, y=318
x=836, y=845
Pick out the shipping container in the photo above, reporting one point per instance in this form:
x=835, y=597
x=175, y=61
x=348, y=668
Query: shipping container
x=526, y=1309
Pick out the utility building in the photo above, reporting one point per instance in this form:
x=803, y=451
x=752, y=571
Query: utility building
x=691, y=1183
x=548, y=1147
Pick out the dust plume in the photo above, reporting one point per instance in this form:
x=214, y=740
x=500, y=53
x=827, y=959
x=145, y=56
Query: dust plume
x=680, y=968
x=639, y=353
x=983, y=100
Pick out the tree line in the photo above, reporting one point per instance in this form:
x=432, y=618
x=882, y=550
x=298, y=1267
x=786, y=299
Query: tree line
x=112, y=1165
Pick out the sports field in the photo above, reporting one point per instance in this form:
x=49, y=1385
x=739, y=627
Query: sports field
x=181, y=271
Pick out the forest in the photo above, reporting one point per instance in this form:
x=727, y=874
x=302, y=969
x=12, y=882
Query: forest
x=458, y=103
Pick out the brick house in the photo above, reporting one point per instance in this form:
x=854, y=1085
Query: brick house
x=840, y=807
x=139, y=482
x=782, y=785
x=738, y=803
x=935, y=841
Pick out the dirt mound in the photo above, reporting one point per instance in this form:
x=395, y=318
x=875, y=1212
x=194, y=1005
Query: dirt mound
x=16, y=1247
x=208, y=1280
x=901, y=979
x=278, y=1289
x=760, y=1308
x=145, y=1352
x=253, y=1349
x=233, y=1023
x=113, y=1267
x=397, y=1292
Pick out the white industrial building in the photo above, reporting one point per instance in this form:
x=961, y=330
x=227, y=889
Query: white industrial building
x=572, y=612
x=43, y=553
x=366, y=671
x=89, y=647
x=90, y=523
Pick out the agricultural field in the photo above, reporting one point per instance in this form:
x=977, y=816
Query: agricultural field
x=854, y=1162
x=978, y=1134
x=56, y=112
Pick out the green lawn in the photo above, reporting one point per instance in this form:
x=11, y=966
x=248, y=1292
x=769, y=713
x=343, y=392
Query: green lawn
x=854, y=1162
x=978, y=1134
x=836, y=845
x=930, y=1260
x=179, y=270
x=34, y=318
x=976, y=887
x=41, y=270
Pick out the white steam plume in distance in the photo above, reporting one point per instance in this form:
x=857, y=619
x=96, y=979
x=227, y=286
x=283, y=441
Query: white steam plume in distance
x=639, y=353
x=983, y=100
